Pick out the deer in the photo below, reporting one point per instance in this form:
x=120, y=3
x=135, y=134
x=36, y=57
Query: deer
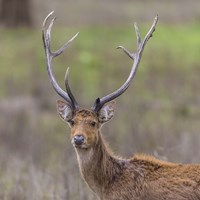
x=110, y=177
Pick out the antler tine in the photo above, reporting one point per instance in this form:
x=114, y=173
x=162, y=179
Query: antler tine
x=69, y=90
x=134, y=56
x=46, y=33
x=137, y=34
x=59, y=51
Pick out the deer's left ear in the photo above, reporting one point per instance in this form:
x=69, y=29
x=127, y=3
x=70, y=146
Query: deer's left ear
x=106, y=112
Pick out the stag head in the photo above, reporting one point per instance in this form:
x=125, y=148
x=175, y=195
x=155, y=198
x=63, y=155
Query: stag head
x=85, y=123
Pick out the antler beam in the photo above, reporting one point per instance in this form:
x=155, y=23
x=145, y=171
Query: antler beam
x=134, y=56
x=46, y=35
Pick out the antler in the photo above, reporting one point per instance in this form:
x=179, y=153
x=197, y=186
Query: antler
x=46, y=35
x=99, y=102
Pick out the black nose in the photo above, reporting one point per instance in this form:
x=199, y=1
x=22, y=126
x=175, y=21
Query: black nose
x=78, y=139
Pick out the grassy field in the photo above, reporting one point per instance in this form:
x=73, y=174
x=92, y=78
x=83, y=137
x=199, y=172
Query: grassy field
x=158, y=115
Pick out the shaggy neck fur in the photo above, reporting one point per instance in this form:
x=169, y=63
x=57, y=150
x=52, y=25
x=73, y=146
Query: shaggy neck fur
x=98, y=166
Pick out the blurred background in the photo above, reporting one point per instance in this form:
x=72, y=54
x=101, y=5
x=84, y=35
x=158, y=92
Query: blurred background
x=159, y=114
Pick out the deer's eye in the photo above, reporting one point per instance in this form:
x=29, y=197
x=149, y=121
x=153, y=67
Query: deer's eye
x=92, y=123
x=72, y=122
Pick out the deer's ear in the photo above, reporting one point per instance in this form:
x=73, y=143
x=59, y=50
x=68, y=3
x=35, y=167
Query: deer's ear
x=107, y=112
x=65, y=110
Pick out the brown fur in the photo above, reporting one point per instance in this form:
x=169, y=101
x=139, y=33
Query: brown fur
x=138, y=178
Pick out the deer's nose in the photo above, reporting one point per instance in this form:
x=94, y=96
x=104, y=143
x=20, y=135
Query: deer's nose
x=79, y=139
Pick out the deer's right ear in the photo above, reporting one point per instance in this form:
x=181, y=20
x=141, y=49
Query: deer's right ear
x=65, y=110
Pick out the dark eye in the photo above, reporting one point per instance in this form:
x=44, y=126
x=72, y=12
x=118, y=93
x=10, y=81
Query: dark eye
x=93, y=123
x=72, y=122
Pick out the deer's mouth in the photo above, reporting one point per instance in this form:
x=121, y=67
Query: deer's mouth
x=81, y=147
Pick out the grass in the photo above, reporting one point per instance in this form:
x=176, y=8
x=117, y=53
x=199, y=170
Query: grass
x=159, y=114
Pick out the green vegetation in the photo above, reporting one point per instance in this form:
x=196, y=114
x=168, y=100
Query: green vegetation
x=159, y=114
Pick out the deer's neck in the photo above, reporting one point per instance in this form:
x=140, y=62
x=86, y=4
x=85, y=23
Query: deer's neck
x=98, y=165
